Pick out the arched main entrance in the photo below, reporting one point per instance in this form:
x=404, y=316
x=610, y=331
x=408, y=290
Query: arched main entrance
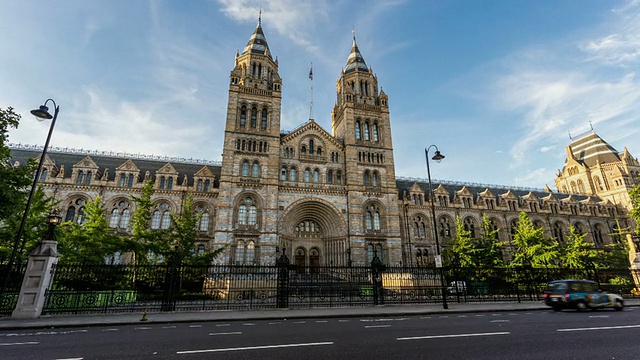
x=313, y=234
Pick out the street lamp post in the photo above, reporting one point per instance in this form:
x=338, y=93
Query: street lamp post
x=42, y=113
x=437, y=157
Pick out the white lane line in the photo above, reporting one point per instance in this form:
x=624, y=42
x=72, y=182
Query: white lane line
x=598, y=316
x=110, y=330
x=344, y=320
x=425, y=317
x=479, y=315
x=376, y=326
x=499, y=321
x=169, y=327
x=248, y=324
x=22, y=343
x=601, y=328
x=462, y=316
x=195, y=326
x=321, y=321
x=299, y=322
x=142, y=328
x=275, y=323
x=223, y=325
x=453, y=336
x=71, y=359
x=443, y=316
x=254, y=348
x=226, y=333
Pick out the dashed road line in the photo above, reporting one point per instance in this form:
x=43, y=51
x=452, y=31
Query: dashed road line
x=376, y=326
x=22, y=343
x=254, y=348
x=453, y=336
x=142, y=328
x=223, y=325
x=499, y=321
x=195, y=326
x=169, y=327
x=226, y=333
x=600, y=328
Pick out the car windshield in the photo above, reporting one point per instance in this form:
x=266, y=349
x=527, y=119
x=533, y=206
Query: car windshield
x=556, y=287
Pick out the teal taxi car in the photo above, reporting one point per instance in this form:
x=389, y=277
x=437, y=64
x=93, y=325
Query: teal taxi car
x=580, y=295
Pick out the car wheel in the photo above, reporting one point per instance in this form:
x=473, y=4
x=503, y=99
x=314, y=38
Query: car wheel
x=581, y=306
x=618, y=305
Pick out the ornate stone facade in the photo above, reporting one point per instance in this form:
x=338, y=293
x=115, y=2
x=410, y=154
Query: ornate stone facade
x=323, y=198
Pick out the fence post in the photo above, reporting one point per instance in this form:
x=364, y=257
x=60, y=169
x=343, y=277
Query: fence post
x=36, y=281
x=171, y=283
x=377, y=268
x=282, y=292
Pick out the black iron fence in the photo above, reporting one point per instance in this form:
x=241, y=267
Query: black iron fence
x=9, y=298
x=174, y=287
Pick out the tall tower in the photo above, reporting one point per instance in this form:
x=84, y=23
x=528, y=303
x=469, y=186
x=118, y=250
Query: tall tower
x=360, y=119
x=247, y=203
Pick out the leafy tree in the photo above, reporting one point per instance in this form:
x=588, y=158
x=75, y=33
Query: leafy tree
x=634, y=194
x=531, y=247
x=487, y=252
x=576, y=253
x=90, y=242
x=143, y=240
x=461, y=249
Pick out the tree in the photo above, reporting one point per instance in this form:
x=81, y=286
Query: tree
x=577, y=253
x=461, y=249
x=143, y=241
x=487, y=252
x=634, y=194
x=90, y=242
x=530, y=246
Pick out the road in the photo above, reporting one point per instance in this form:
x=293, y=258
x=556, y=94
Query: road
x=519, y=335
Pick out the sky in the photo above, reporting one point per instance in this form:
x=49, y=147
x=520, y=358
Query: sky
x=499, y=86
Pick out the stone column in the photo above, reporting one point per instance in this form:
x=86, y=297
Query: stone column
x=36, y=281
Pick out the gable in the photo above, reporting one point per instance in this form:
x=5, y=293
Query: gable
x=308, y=129
x=86, y=163
x=167, y=169
x=128, y=165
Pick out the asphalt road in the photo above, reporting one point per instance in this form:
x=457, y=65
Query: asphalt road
x=519, y=335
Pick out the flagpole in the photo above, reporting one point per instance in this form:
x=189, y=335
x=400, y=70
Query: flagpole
x=311, y=105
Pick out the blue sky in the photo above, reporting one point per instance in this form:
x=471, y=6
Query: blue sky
x=497, y=85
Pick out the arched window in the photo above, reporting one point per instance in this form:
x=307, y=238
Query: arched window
x=580, y=187
x=245, y=169
x=316, y=176
x=200, y=249
x=444, y=225
x=319, y=150
x=253, y=212
x=597, y=234
x=162, y=181
x=130, y=183
x=419, y=227
x=80, y=177
x=87, y=179
x=469, y=225
x=251, y=253
x=357, y=129
x=155, y=220
x=170, y=183
x=339, y=177
x=199, y=187
x=307, y=175
x=597, y=183
x=292, y=174
x=366, y=180
x=204, y=222
x=254, y=117
x=330, y=176
x=366, y=131
x=375, y=132
x=303, y=150
x=247, y=212
x=243, y=116
x=207, y=185
x=43, y=175
x=558, y=232
x=263, y=122
x=115, y=218
x=311, y=147
x=71, y=214
x=240, y=253
x=372, y=218
x=374, y=178
x=255, y=170
x=242, y=215
x=513, y=228
x=125, y=219
x=122, y=181
x=283, y=173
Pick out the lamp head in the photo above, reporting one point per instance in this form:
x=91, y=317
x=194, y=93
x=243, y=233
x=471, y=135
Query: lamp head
x=42, y=113
x=54, y=218
x=438, y=156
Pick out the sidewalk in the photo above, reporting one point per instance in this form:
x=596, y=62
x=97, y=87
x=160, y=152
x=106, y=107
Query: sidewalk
x=60, y=321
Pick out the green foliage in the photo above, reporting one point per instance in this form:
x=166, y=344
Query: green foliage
x=634, y=194
x=460, y=251
x=531, y=247
x=488, y=254
x=90, y=242
x=144, y=240
x=576, y=253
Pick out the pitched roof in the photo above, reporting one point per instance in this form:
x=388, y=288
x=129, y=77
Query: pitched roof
x=590, y=149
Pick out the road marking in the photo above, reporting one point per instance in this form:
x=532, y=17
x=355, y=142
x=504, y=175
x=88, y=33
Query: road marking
x=321, y=321
x=226, y=333
x=169, y=327
x=23, y=343
x=453, y=336
x=195, y=326
x=254, y=348
x=598, y=316
x=601, y=328
x=380, y=320
x=426, y=317
x=39, y=333
x=499, y=321
x=223, y=325
x=274, y=323
x=462, y=316
x=142, y=328
x=343, y=320
x=248, y=324
x=71, y=359
x=478, y=315
x=299, y=322
x=110, y=329
x=376, y=326
x=443, y=316
x=512, y=314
